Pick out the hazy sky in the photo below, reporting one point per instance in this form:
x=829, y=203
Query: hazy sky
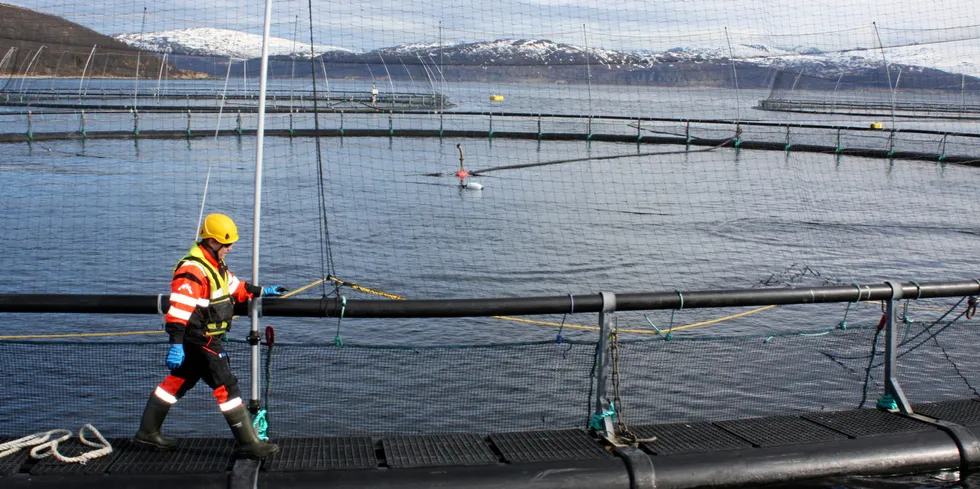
x=613, y=24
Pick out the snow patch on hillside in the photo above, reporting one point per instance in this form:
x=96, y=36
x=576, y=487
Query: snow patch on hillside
x=225, y=43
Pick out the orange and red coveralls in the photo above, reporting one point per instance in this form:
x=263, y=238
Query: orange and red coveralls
x=202, y=297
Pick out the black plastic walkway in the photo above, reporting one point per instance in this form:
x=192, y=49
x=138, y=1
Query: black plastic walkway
x=736, y=453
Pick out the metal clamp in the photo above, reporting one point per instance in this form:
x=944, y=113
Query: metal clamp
x=897, y=289
x=640, y=466
x=608, y=301
x=255, y=306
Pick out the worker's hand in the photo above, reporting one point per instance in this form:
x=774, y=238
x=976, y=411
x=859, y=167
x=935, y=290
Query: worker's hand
x=273, y=290
x=175, y=356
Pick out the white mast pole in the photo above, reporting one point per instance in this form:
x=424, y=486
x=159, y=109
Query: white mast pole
x=257, y=212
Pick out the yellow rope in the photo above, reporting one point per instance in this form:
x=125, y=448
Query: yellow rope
x=549, y=323
x=301, y=289
x=637, y=331
x=544, y=323
x=726, y=318
x=367, y=290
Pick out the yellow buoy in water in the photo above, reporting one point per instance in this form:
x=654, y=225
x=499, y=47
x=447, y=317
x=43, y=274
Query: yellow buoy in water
x=496, y=98
x=875, y=125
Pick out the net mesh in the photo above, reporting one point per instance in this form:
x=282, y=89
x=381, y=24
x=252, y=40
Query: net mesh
x=643, y=147
x=321, y=389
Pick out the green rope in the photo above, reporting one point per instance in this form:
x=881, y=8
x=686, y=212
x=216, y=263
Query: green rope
x=887, y=402
x=843, y=322
x=261, y=424
x=596, y=421
x=592, y=382
x=337, y=340
x=261, y=420
x=651, y=324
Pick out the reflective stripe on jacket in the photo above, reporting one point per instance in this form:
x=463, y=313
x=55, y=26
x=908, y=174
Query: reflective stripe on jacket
x=218, y=309
x=202, y=298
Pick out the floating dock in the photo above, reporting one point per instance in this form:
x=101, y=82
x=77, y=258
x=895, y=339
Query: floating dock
x=735, y=453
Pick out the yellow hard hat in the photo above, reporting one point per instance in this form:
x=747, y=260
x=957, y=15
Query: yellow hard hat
x=220, y=228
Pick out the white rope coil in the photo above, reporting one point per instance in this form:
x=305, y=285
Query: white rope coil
x=46, y=444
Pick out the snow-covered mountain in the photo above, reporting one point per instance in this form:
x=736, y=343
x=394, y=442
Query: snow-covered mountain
x=959, y=57
x=561, y=59
x=224, y=43
x=514, y=51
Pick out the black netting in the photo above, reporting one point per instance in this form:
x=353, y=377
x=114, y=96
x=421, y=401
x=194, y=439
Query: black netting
x=324, y=389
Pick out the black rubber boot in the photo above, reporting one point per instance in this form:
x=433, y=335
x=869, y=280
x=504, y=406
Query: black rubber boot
x=248, y=444
x=149, y=432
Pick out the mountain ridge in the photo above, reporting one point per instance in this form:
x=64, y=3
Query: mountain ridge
x=548, y=61
x=39, y=44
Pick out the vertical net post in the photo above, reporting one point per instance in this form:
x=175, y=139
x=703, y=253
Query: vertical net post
x=603, y=412
x=893, y=391
x=256, y=310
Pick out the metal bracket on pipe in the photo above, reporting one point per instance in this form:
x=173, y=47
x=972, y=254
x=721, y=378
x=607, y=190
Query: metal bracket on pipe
x=244, y=474
x=640, y=466
x=255, y=306
x=608, y=302
x=892, y=387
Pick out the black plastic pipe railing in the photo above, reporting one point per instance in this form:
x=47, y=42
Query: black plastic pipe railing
x=153, y=304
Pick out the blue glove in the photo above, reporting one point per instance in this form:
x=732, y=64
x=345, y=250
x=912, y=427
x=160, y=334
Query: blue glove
x=175, y=356
x=273, y=290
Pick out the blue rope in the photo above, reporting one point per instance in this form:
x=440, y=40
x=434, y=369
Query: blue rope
x=571, y=310
x=918, y=289
x=337, y=340
x=843, y=323
x=670, y=327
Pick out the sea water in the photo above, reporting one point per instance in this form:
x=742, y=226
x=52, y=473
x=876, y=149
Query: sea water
x=113, y=216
